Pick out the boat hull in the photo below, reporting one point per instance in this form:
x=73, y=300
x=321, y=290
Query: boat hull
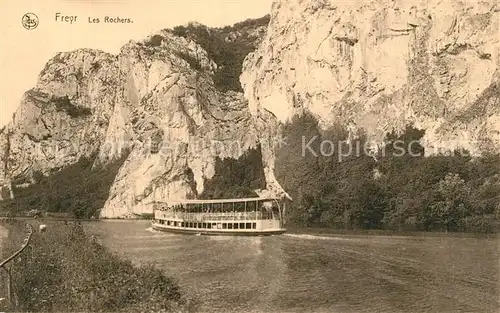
x=218, y=232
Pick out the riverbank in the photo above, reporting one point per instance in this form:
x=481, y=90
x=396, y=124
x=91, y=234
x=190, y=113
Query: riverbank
x=70, y=271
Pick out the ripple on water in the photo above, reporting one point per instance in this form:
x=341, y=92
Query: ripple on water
x=319, y=274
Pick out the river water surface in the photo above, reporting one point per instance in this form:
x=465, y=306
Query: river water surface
x=305, y=273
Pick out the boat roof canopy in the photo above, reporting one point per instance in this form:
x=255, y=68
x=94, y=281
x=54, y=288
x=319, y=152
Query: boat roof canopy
x=215, y=201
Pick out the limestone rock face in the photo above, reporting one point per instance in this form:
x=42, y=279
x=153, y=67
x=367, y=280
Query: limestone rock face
x=381, y=65
x=61, y=119
x=371, y=65
x=176, y=124
x=156, y=101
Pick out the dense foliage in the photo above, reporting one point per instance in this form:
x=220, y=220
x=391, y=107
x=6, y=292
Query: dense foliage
x=191, y=60
x=225, y=50
x=236, y=178
x=69, y=272
x=155, y=41
x=391, y=190
x=78, y=189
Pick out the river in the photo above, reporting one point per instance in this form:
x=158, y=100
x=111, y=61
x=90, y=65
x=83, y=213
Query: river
x=305, y=273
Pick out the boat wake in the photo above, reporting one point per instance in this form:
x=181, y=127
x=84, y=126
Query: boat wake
x=151, y=230
x=159, y=232
x=221, y=238
x=314, y=237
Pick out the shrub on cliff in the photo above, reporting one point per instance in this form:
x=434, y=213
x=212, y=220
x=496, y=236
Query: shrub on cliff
x=228, y=54
x=191, y=60
x=154, y=41
x=64, y=104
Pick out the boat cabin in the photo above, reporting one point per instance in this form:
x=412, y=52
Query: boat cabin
x=248, y=216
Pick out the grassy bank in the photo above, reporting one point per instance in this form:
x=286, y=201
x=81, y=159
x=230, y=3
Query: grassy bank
x=70, y=272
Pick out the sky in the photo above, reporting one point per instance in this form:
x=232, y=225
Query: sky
x=23, y=53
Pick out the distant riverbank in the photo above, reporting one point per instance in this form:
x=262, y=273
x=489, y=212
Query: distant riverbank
x=294, y=229
x=381, y=232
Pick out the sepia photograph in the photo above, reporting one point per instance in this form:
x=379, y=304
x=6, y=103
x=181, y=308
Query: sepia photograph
x=250, y=156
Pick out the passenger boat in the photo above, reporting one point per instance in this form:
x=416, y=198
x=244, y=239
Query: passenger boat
x=233, y=217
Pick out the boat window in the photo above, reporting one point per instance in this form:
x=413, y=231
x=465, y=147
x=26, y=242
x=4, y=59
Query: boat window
x=248, y=225
x=204, y=225
x=219, y=226
x=199, y=225
x=236, y=225
x=254, y=225
x=224, y=225
x=230, y=225
x=242, y=225
x=209, y=226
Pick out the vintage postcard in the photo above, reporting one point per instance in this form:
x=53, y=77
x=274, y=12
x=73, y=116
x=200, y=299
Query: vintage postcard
x=264, y=156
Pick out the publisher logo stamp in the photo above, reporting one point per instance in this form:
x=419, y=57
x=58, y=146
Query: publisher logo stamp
x=30, y=21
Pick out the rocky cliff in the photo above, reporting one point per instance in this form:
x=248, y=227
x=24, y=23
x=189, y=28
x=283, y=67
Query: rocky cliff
x=381, y=65
x=374, y=66
x=64, y=117
x=157, y=101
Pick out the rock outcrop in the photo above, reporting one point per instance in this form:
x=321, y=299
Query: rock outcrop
x=62, y=118
x=375, y=66
x=381, y=65
x=157, y=101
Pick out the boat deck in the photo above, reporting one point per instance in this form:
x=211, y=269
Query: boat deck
x=219, y=232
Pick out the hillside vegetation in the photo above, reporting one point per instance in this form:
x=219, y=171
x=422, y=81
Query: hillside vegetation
x=438, y=193
x=78, y=189
x=227, y=46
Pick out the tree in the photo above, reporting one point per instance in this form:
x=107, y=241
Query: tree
x=452, y=205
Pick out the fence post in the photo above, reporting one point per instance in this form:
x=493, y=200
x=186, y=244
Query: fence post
x=9, y=284
x=8, y=269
